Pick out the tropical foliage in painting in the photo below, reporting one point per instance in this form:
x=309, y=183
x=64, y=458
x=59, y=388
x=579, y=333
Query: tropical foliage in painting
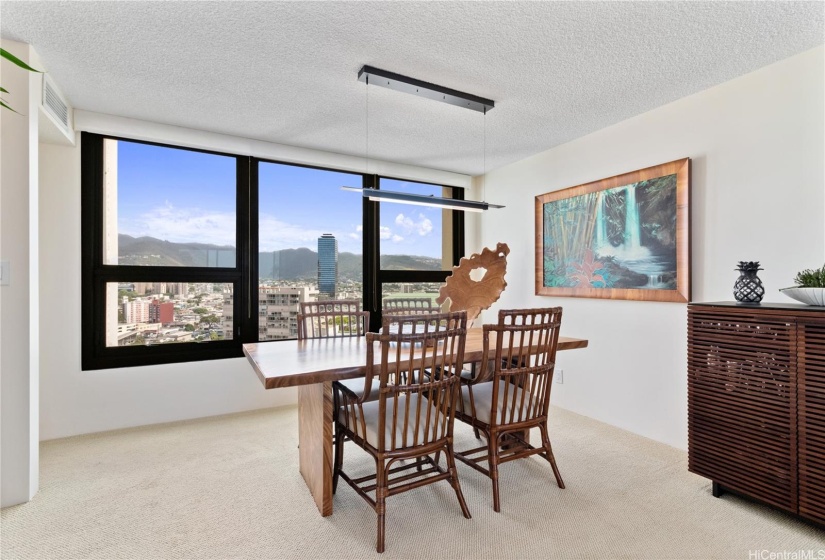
x=624, y=237
x=589, y=272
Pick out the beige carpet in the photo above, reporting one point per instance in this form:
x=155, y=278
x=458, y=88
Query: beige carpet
x=229, y=487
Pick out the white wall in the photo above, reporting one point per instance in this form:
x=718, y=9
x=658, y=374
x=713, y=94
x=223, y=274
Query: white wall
x=179, y=136
x=757, y=145
x=19, y=351
x=77, y=402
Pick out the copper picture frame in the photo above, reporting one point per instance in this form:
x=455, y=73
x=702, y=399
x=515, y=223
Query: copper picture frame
x=624, y=237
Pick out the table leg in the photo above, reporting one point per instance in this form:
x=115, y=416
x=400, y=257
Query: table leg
x=315, y=440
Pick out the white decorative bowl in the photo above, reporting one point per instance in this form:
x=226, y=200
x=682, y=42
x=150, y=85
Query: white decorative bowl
x=810, y=296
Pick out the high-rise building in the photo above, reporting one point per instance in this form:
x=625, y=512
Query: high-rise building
x=177, y=288
x=327, y=265
x=135, y=311
x=161, y=312
x=227, y=323
x=278, y=310
x=142, y=287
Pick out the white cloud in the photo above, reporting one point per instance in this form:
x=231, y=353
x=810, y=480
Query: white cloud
x=397, y=238
x=425, y=226
x=359, y=228
x=385, y=232
x=275, y=234
x=193, y=225
x=403, y=221
x=422, y=226
x=183, y=225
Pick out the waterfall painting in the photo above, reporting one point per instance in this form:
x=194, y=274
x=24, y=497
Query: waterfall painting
x=624, y=237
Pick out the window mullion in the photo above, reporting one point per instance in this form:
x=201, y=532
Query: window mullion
x=371, y=285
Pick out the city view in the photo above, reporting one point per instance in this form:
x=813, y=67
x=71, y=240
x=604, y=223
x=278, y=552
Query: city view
x=310, y=241
x=165, y=312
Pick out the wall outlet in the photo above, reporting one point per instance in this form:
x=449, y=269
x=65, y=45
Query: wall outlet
x=558, y=376
x=5, y=273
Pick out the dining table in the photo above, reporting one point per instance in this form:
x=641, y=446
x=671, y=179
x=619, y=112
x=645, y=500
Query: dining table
x=312, y=365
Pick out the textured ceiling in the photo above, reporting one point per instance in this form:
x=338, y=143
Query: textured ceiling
x=286, y=71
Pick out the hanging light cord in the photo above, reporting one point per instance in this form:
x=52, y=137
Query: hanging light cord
x=484, y=159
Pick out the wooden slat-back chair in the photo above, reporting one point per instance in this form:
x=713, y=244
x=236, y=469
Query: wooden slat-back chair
x=408, y=306
x=332, y=319
x=513, y=394
x=413, y=416
x=335, y=319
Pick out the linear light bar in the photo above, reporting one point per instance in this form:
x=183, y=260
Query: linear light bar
x=423, y=200
x=391, y=80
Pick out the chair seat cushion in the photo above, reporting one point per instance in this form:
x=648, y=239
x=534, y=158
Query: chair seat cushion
x=357, y=386
x=371, y=417
x=483, y=400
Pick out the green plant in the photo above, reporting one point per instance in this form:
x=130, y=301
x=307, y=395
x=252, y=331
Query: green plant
x=811, y=278
x=14, y=60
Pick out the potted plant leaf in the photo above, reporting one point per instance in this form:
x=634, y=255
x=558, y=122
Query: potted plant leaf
x=810, y=287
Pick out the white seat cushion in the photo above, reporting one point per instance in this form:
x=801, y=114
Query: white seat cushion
x=483, y=400
x=357, y=386
x=371, y=417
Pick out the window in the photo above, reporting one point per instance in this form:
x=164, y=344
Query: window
x=163, y=248
x=188, y=254
x=310, y=243
x=419, y=245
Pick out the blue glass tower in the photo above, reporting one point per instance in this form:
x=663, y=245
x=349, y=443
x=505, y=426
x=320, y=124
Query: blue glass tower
x=327, y=265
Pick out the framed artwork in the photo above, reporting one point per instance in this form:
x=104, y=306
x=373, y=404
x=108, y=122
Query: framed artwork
x=624, y=237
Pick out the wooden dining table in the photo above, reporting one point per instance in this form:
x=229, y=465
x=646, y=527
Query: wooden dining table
x=313, y=365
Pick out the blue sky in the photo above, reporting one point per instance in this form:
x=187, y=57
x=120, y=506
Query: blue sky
x=185, y=196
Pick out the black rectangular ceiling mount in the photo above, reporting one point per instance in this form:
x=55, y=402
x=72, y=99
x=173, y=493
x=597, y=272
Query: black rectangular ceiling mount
x=391, y=80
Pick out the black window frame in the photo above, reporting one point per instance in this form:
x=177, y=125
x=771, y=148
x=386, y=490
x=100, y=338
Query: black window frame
x=95, y=274
x=95, y=354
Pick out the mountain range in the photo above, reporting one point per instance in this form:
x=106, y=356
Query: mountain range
x=286, y=264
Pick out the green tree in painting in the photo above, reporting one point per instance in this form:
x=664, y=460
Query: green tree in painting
x=657, y=199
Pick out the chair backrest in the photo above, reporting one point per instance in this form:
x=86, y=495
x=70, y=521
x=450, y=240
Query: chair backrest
x=522, y=348
x=408, y=306
x=418, y=367
x=332, y=319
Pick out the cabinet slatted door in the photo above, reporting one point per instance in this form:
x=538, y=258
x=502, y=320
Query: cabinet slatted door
x=742, y=402
x=812, y=420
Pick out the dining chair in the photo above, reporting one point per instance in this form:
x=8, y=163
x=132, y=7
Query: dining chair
x=408, y=306
x=412, y=420
x=511, y=393
x=331, y=319
x=335, y=319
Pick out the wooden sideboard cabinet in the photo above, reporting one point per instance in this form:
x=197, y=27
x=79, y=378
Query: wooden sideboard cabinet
x=756, y=402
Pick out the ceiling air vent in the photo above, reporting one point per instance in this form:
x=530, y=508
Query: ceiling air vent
x=55, y=106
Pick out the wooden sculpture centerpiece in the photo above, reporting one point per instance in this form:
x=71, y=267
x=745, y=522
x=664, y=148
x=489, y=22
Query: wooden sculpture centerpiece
x=473, y=296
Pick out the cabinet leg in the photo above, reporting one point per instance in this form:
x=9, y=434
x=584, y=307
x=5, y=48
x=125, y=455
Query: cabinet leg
x=716, y=489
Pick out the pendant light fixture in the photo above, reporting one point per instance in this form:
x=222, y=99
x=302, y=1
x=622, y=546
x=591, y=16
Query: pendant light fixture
x=423, y=200
x=397, y=82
